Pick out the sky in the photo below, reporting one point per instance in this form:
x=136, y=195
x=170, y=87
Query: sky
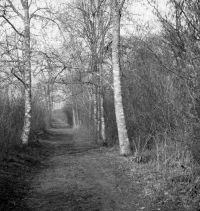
x=143, y=20
x=140, y=10
x=143, y=17
x=142, y=14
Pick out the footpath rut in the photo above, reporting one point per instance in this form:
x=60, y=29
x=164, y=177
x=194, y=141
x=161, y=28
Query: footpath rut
x=81, y=176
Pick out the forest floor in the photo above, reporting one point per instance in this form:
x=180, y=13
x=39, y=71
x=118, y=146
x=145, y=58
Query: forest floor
x=78, y=175
x=81, y=176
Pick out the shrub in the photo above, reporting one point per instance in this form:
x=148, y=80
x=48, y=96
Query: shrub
x=12, y=117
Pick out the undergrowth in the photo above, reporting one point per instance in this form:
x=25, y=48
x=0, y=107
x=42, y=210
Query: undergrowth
x=16, y=168
x=170, y=172
x=12, y=118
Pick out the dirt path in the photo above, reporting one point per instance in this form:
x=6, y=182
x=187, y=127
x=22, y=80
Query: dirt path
x=82, y=176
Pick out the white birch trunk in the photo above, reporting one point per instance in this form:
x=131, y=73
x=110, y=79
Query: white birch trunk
x=89, y=109
x=119, y=111
x=74, y=118
x=27, y=74
x=103, y=134
x=95, y=109
x=98, y=114
x=77, y=116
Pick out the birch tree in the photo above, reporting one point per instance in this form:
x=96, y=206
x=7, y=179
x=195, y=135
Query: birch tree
x=27, y=73
x=89, y=21
x=16, y=19
x=9, y=11
x=124, y=144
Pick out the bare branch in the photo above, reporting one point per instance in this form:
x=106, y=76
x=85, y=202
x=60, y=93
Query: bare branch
x=33, y=14
x=8, y=21
x=16, y=76
x=15, y=10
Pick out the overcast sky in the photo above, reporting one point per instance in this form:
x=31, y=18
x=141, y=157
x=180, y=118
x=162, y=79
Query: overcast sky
x=143, y=19
x=140, y=10
x=143, y=16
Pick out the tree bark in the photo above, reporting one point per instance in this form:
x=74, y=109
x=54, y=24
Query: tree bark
x=103, y=134
x=95, y=110
x=119, y=111
x=74, y=117
x=27, y=74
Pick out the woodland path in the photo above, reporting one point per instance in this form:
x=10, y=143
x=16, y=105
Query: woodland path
x=81, y=176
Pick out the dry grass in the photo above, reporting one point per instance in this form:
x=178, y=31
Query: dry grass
x=170, y=172
x=11, y=121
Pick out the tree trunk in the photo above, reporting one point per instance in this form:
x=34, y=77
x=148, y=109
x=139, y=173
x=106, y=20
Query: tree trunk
x=27, y=75
x=119, y=111
x=98, y=114
x=89, y=110
x=95, y=110
x=74, y=118
x=103, y=134
x=49, y=103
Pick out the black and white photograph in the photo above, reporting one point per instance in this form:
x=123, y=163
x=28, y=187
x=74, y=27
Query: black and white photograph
x=99, y=105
